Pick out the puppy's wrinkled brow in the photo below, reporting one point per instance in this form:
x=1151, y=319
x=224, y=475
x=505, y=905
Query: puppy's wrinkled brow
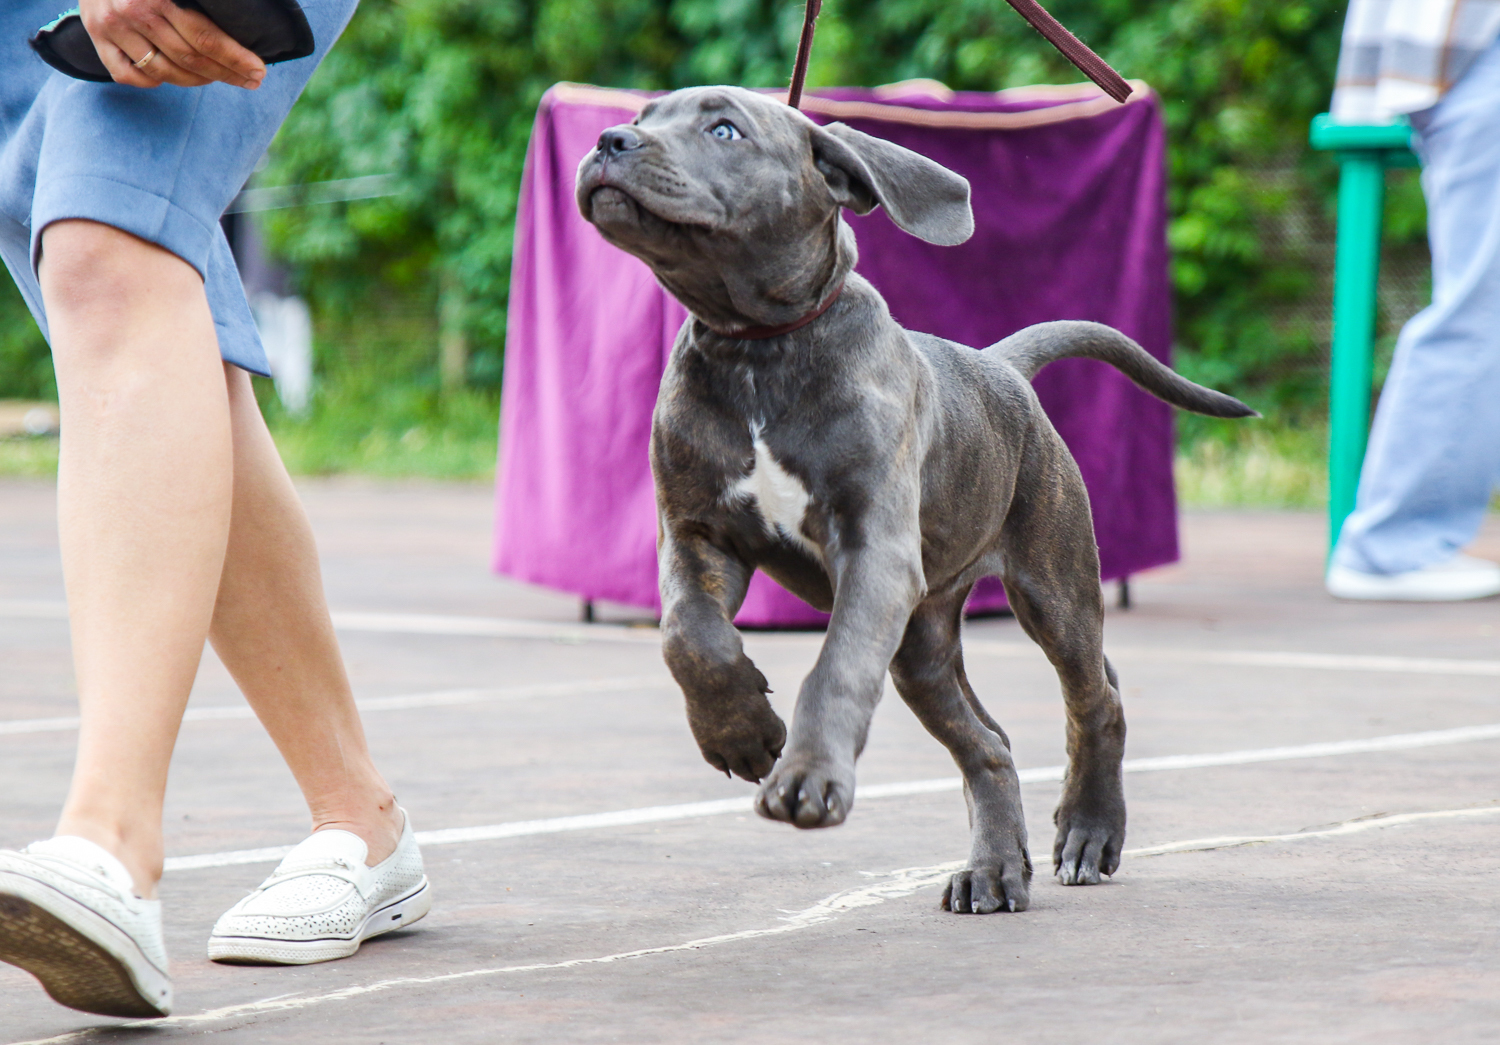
x=718, y=103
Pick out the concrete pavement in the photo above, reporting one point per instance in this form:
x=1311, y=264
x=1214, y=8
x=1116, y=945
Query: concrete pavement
x=653, y=925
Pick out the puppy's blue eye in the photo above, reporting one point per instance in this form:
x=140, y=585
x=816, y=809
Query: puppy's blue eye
x=725, y=131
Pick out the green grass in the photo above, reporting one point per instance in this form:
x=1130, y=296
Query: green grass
x=1257, y=466
x=29, y=456
x=451, y=437
x=396, y=434
x=377, y=406
x=1264, y=468
x=406, y=434
x=378, y=410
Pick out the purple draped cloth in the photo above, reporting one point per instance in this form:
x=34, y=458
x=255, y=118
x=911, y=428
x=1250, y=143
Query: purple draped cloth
x=1070, y=215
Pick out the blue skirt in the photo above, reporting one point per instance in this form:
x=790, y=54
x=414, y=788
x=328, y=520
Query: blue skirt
x=161, y=164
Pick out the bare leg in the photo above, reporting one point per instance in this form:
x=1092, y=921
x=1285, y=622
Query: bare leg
x=144, y=481
x=164, y=467
x=272, y=630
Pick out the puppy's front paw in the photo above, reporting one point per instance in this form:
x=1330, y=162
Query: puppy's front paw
x=746, y=743
x=807, y=792
x=1088, y=844
x=994, y=887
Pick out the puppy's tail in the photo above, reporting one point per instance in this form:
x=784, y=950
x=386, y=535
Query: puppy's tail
x=1031, y=349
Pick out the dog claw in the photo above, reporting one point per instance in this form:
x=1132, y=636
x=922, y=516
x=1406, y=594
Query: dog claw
x=1082, y=851
x=746, y=742
x=985, y=890
x=806, y=797
x=737, y=763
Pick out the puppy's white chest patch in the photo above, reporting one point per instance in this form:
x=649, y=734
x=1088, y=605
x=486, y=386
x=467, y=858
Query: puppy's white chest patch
x=777, y=495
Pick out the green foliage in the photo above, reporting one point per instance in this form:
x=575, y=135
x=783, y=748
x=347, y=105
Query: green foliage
x=28, y=456
x=1254, y=466
x=25, y=364
x=442, y=93
x=1240, y=79
x=393, y=430
x=379, y=409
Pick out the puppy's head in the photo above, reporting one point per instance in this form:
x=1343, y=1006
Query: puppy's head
x=733, y=199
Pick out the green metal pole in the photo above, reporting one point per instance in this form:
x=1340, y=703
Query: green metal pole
x=1356, y=274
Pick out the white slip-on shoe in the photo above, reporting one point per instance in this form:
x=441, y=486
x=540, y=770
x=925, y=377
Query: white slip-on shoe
x=1452, y=580
x=70, y=917
x=322, y=902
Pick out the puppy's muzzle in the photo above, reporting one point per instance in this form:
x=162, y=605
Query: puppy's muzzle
x=617, y=141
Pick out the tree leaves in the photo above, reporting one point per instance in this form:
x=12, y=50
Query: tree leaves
x=442, y=92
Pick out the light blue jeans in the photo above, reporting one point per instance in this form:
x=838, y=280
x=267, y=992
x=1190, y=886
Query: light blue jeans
x=1434, y=454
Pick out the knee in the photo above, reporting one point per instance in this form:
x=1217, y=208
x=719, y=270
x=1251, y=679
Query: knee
x=929, y=651
x=91, y=268
x=922, y=666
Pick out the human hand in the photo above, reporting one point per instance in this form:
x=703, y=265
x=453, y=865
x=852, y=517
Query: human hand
x=179, y=47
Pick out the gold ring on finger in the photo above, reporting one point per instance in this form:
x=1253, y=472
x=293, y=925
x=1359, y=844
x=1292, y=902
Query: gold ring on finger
x=145, y=58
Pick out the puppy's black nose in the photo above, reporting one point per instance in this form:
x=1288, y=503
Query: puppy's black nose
x=618, y=140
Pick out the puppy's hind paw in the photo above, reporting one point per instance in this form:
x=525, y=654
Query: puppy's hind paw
x=985, y=890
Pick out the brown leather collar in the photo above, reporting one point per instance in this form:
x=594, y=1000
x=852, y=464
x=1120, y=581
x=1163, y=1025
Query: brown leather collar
x=761, y=333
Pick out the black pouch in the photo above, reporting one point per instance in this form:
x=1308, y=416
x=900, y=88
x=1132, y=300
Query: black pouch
x=275, y=30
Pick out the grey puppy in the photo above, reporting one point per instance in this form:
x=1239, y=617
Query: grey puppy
x=873, y=471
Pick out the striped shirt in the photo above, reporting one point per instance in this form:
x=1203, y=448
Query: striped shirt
x=1401, y=56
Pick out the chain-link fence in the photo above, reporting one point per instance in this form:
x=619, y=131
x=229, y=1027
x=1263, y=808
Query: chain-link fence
x=1299, y=230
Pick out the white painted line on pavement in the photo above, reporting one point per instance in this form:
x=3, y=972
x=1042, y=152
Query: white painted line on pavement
x=437, y=699
x=719, y=807
x=511, y=628
x=1318, y=661
x=494, y=832
x=38, y=725
x=497, y=627
x=1348, y=827
x=34, y=609
x=493, y=627
x=890, y=885
x=1263, y=659
x=452, y=697
x=414, y=624
x=893, y=885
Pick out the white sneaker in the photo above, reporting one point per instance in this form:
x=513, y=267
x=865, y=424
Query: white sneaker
x=70, y=917
x=322, y=902
x=1452, y=580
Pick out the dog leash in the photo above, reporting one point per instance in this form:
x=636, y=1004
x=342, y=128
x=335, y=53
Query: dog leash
x=1072, y=48
x=804, y=52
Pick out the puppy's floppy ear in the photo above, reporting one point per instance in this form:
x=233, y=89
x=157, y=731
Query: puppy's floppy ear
x=922, y=197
